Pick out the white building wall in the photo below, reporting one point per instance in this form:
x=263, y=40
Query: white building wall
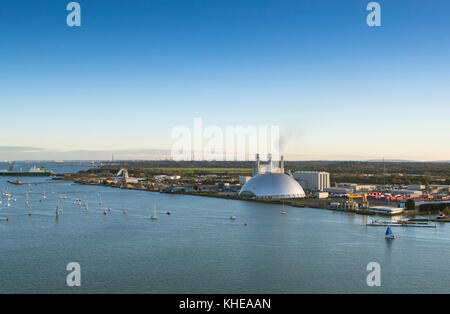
x=313, y=180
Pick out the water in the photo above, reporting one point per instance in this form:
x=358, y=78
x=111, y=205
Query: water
x=57, y=168
x=198, y=249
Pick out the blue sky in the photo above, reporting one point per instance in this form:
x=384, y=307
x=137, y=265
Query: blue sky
x=337, y=88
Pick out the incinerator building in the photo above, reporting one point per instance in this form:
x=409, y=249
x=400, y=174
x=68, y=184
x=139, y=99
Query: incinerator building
x=270, y=181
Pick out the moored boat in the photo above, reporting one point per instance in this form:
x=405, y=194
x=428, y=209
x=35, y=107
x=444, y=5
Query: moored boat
x=18, y=182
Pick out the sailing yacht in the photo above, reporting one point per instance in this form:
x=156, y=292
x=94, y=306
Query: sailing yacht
x=154, y=217
x=283, y=210
x=389, y=235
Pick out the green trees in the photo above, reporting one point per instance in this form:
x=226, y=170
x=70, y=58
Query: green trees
x=410, y=204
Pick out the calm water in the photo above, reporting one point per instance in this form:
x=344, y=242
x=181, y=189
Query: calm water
x=57, y=168
x=198, y=249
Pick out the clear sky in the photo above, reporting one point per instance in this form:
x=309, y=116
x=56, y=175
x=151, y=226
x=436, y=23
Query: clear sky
x=337, y=88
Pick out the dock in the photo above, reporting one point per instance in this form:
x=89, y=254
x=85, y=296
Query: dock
x=403, y=224
x=430, y=219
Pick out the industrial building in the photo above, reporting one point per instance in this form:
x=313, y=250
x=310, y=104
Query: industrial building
x=270, y=181
x=386, y=210
x=123, y=177
x=416, y=187
x=408, y=193
x=336, y=190
x=358, y=187
x=313, y=180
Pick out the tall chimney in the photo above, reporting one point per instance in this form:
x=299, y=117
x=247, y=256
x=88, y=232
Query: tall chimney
x=282, y=164
x=258, y=165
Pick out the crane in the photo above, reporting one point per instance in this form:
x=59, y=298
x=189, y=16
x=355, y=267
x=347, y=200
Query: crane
x=365, y=203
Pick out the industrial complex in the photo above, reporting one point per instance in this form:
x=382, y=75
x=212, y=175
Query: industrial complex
x=269, y=181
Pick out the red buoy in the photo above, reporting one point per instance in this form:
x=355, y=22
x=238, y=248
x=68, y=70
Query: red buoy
x=7, y=218
x=245, y=224
x=104, y=213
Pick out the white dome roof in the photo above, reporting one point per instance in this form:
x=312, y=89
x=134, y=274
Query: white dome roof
x=272, y=185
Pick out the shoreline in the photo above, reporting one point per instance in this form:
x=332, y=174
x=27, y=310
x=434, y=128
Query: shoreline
x=299, y=203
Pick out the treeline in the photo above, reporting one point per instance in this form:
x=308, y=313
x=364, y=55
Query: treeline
x=355, y=167
x=440, y=207
x=388, y=179
x=370, y=172
x=374, y=167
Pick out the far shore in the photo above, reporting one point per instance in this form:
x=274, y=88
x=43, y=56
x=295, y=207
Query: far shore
x=302, y=203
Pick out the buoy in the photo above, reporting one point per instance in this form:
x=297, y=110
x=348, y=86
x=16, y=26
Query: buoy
x=104, y=213
x=245, y=224
x=7, y=219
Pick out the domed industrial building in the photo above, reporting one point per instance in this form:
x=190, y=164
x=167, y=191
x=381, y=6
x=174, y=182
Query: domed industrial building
x=271, y=182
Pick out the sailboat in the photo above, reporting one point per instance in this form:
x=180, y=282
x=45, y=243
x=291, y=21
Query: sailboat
x=389, y=235
x=283, y=210
x=154, y=217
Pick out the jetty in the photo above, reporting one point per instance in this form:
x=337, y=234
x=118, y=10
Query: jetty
x=430, y=219
x=410, y=224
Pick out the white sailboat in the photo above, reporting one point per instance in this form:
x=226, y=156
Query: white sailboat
x=283, y=210
x=154, y=217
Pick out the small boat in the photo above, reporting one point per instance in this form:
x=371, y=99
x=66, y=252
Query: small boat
x=389, y=235
x=18, y=182
x=125, y=211
x=169, y=212
x=441, y=216
x=154, y=217
x=233, y=217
